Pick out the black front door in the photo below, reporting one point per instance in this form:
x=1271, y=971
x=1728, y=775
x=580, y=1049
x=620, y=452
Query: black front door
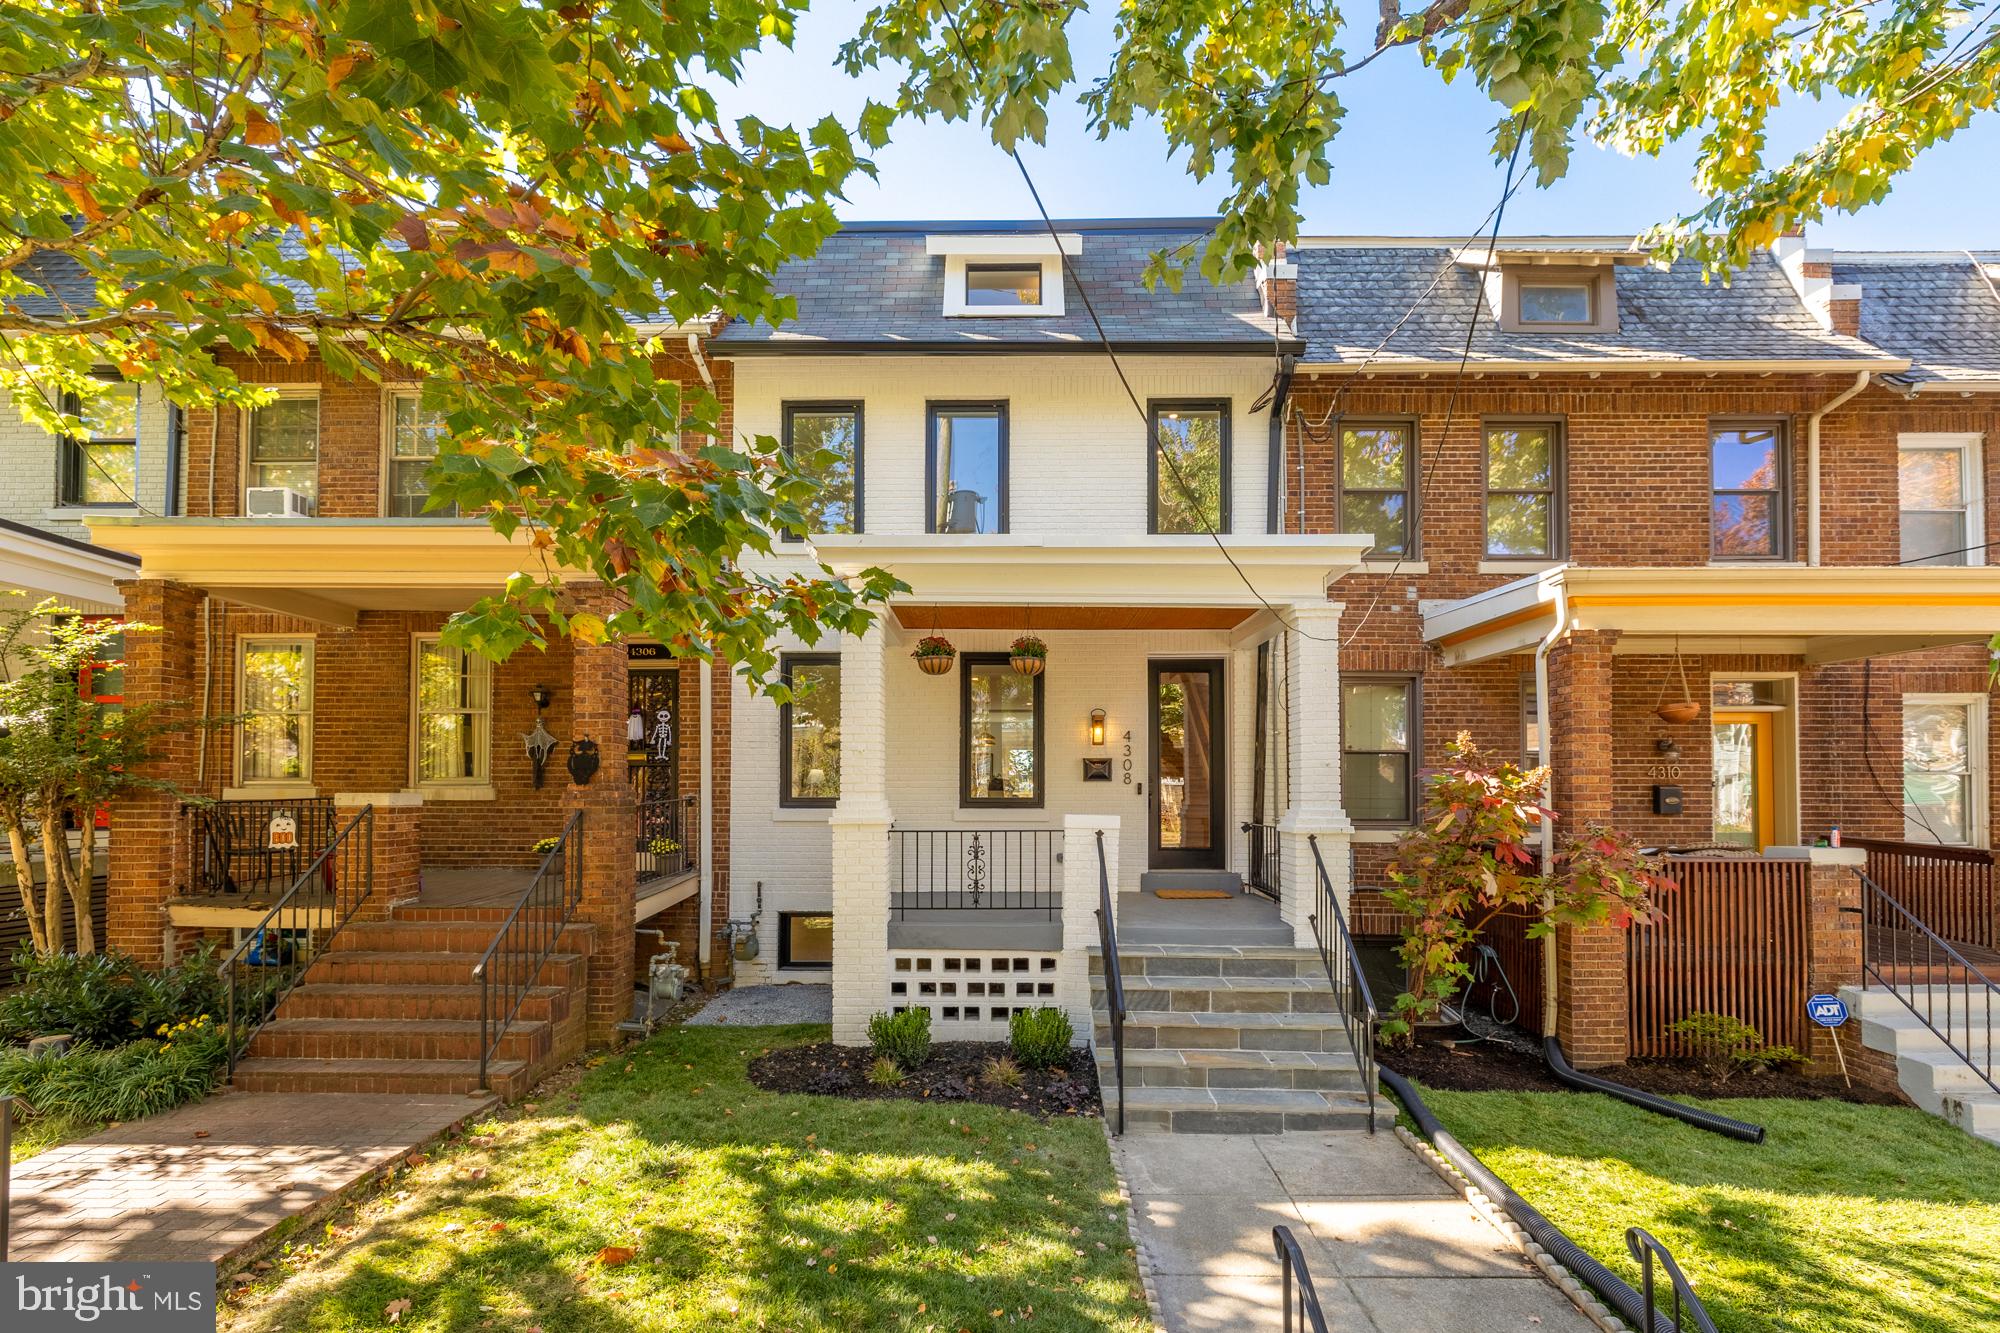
x=1189, y=830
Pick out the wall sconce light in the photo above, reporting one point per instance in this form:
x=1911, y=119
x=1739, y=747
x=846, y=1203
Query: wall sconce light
x=1097, y=726
x=541, y=694
x=1668, y=748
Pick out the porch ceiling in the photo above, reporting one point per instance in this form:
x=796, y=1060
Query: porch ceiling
x=1821, y=614
x=921, y=616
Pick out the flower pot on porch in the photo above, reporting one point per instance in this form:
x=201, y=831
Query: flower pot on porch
x=935, y=654
x=1028, y=655
x=1684, y=710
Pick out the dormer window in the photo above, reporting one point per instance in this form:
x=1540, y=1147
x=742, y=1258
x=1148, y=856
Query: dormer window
x=1003, y=286
x=1540, y=288
x=1555, y=302
x=995, y=276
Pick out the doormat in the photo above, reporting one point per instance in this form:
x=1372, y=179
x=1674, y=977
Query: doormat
x=1192, y=893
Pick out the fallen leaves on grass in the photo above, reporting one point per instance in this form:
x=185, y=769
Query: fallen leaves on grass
x=396, y=1309
x=611, y=1256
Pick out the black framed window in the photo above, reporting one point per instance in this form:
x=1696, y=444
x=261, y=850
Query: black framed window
x=809, y=730
x=1378, y=485
x=999, y=733
x=1378, y=748
x=824, y=439
x=101, y=467
x=1523, y=489
x=805, y=939
x=1750, y=483
x=1188, y=448
x=1001, y=286
x=965, y=470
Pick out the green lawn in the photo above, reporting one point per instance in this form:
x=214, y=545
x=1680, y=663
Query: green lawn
x=45, y=1132
x=743, y=1209
x=1853, y=1218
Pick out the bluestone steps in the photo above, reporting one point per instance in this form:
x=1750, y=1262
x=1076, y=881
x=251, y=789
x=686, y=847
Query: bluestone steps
x=1930, y=1073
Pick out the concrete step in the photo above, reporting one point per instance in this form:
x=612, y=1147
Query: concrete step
x=543, y=1003
x=1159, y=1029
x=287, y=1038
x=1208, y=960
x=1324, y=1071
x=509, y=1078
x=422, y=968
x=1195, y=994
x=1931, y=1074
x=446, y=936
x=1241, y=1110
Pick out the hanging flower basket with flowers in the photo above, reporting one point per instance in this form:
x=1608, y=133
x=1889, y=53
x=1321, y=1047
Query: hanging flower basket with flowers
x=1029, y=655
x=935, y=654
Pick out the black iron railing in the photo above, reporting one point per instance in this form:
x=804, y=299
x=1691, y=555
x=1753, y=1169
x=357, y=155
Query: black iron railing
x=241, y=845
x=6, y=1174
x=1302, y=1310
x=976, y=870
x=1358, y=1014
x=1114, y=980
x=1946, y=991
x=666, y=837
x=508, y=969
x=1265, y=848
x=273, y=957
x=1689, y=1316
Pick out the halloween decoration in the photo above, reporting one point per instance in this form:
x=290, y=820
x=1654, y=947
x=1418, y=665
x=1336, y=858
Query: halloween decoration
x=583, y=761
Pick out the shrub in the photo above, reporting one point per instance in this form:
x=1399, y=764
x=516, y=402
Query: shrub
x=93, y=1084
x=884, y=1072
x=904, y=1038
x=1002, y=1072
x=1723, y=1045
x=1040, y=1037
x=106, y=999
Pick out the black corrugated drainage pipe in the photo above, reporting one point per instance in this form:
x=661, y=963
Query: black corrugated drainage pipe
x=1617, y=1293
x=1693, y=1115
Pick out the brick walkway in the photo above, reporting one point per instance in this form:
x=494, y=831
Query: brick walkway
x=152, y=1190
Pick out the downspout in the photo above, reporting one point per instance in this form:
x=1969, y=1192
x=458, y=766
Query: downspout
x=1274, y=514
x=700, y=361
x=1812, y=463
x=176, y=435
x=705, y=941
x=1544, y=717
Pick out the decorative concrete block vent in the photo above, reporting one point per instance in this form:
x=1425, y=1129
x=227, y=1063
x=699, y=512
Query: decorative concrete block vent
x=971, y=995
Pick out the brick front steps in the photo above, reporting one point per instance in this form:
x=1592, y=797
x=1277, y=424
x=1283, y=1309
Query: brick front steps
x=1227, y=1040
x=392, y=1006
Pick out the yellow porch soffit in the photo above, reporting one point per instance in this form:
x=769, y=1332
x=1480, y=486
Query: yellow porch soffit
x=326, y=569
x=1821, y=615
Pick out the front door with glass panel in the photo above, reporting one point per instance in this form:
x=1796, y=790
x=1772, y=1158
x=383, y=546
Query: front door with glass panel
x=1188, y=821
x=1745, y=780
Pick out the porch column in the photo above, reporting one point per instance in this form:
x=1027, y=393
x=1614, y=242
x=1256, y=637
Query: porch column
x=1833, y=957
x=1312, y=746
x=859, y=828
x=598, y=708
x=162, y=668
x=394, y=845
x=1079, y=911
x=1591, y=1018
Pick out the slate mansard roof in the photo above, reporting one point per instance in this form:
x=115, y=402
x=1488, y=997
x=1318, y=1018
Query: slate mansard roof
x=873, y=286
x=1352, y=293
x=1942, y=311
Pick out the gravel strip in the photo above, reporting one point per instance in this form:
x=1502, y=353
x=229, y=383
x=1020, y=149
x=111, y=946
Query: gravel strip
x=759, y=1006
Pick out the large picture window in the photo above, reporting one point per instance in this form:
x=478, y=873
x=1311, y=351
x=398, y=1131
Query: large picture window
x=1749, y=514
x=274, y=696
x=101, y=466
x=414, y=432
x=1377, y=485
x=824, y=439
x=1000, y=733
x=454, y=714
x=1378, y=740
x=809, y=730
x=283, y=449
x=1944, y=769
x=967, y=468
x=1189, y=449
x=1523, y=469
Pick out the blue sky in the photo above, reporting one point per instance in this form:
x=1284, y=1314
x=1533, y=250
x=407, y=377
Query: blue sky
x=1411, y=159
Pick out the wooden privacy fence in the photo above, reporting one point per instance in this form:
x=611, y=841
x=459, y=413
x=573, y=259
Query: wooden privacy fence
x=1735, y=939
x=1949, y=889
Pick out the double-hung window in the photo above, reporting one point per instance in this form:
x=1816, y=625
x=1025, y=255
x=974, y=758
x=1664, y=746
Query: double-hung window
x=1188, y=444
x=453, y=714
x=1378, y=747
x=1944, y=768
x=1750, y=491
x=414, y=432
x=101, y=465
x=1000, y=733
x=1937, y=481
x=966, y=468
x=823, y=440
x=274, y=698
x=809, y=730
x=283, y=448
x=1523, y=474
x=1377, y=485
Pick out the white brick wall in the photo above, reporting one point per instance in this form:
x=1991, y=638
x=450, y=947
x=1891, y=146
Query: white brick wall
x=28, y=469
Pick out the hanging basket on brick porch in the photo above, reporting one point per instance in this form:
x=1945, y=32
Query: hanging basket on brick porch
x=1681, y=710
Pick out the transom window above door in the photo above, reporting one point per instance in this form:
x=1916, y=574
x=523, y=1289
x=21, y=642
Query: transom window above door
x=967, y=468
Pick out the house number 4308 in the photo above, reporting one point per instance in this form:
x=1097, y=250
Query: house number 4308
x=1126, y=763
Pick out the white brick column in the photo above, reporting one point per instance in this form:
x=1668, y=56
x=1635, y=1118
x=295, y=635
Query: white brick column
x=1079, y=911
x=859, y=829
x=1312, y=742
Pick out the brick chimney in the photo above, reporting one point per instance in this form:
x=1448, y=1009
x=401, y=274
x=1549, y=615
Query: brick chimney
x=1278, y=282
x=1837, y=306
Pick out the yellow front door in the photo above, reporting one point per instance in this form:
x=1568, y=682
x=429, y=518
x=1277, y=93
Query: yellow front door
x=1745, y=786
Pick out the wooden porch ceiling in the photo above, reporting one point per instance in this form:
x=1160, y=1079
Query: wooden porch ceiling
x=921, y=616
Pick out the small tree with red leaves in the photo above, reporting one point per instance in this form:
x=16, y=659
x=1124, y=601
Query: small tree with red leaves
x=1474, y=858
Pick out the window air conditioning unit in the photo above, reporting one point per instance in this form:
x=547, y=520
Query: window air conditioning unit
x=276, y=502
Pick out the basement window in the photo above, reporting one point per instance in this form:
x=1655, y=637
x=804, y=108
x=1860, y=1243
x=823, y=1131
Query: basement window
x=805, y=939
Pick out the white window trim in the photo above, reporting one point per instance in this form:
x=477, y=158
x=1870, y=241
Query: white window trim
x=390, y=392
x=303, y=783
x=954, y=286
x=1968, y=443
x=478, y=787
x=1976, y=750
x=244, y=427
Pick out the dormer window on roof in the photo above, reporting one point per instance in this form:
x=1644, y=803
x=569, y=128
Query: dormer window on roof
x=1556, y=302
x=999, y=276
x=1544, y=288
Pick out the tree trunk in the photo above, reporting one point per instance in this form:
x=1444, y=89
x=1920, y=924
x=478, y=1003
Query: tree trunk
x=83, y=882
x=24, y=881
x=55, y=872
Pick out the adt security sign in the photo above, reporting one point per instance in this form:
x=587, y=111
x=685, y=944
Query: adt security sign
x=1829, y=1011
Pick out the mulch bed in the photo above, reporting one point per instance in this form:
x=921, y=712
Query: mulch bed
x=952, y=1074
x=1486, y=1066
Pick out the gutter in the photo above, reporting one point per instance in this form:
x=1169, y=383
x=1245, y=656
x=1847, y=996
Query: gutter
x=1608, y=366
x=1861, y=379
x=1274, y=485
x=1543, y=718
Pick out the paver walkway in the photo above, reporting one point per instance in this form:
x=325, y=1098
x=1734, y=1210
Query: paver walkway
x=1392, y=1248
x=153, y=1190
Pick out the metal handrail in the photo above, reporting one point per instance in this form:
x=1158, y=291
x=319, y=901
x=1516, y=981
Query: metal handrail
x=6, y=1173
x=1266, y=860
x=558, y=887
x=1114, y=980
x=327, y=869
x=1960, y=996
x=1293, y=1261
x=1645, y=1249
x=1358, y=1014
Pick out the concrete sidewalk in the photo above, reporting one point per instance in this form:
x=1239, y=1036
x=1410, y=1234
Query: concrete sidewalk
x=1392, y=1248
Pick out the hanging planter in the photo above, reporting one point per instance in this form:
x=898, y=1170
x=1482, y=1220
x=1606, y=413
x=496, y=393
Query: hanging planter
x=1681, y=710
x=1028, y=655
x=935, y=654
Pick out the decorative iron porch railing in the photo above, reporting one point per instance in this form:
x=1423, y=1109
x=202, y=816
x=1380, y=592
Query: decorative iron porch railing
x=1266, y=860
x=975, y=870
x=667, y=830
x=1358, y=1015
x=508, y=969
x=1948, y=993
x=238, y=846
